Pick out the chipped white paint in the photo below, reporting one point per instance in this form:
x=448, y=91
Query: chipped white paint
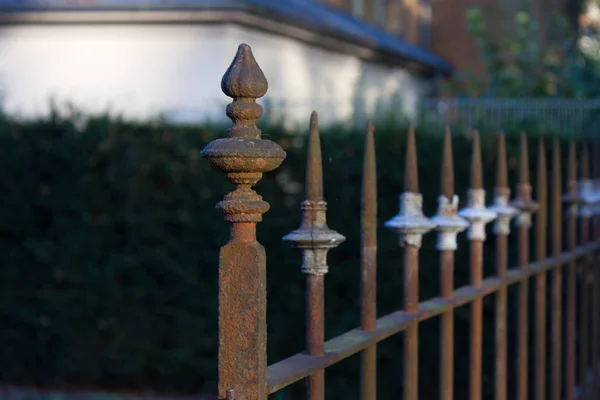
x=410, y=223
x=505, y=213
x=477, y=214
x=448, y=223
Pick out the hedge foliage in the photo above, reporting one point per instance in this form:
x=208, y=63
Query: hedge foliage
x=109, y=244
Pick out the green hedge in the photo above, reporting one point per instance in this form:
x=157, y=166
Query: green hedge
x=109, y=244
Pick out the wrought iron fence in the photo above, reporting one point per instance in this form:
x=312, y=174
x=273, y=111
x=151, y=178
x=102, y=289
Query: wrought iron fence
x=242, y=364
x=564, y=116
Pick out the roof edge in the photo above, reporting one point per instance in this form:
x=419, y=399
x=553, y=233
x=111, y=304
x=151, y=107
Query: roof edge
x=246, y=17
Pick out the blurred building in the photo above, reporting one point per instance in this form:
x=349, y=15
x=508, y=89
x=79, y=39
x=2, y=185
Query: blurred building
x=451, y=40
x=344, y=58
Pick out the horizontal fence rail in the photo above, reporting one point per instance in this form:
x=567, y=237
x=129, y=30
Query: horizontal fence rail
x=566, y=297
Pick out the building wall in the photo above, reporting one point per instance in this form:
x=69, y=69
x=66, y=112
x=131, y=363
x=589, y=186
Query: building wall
x=143, y=70
x=452, y=41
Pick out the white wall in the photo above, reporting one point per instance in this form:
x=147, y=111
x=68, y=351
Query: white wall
x=143, y=70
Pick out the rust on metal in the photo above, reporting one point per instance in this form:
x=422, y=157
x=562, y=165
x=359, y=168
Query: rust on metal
x=411, y=176
x=571, y=198
x=411, y=225
x=584, y=214
x=505, y=213
x=447, y=172
x=368, y=316
x=557, y=277
x=526, y=206
x=476, y=168
x=243, y=157
x=299, y=366
x=541, y=227
x=315, y=239
x=478, y=216
x=596, y=274
x=448, y=224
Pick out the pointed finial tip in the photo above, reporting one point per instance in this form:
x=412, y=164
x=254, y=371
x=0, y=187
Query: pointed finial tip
x=244, y=78
x=370, y=127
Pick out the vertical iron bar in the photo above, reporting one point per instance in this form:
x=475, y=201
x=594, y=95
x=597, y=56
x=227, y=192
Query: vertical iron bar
x=243, y=157
x=585, y=263
x=557, y=280
x=502, y=230
x=315, y=332
x=596, y=277
x=411, y=225
x=540, y=300
x=571, y=320
x=449, y=224
x=478, y=215
x=315, y=239
x=369, y=267
x=526, y=206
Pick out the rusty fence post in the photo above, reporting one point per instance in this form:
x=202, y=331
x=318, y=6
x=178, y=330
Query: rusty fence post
x=243, y=157
x=572, y=199
x=368, y=314
x=505, y=213
x=315, y=239
x=478, y=216
x=411, y=225
x=557, y=227
x=527, y=207
x=541, y=237
x=596, y=272
x=585, y=213
x=449, y=225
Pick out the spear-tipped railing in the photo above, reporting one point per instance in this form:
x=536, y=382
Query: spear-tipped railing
x=243, y=373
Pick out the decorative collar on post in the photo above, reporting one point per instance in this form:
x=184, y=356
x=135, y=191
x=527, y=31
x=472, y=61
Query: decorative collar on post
x=448, y=223
x=410, y=223
x=314, y=237
x=476, y=212
x=524, y=202
x=501, y=205
x=586, y=185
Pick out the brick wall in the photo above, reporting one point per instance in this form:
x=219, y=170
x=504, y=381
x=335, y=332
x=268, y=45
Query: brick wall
x=344, y=5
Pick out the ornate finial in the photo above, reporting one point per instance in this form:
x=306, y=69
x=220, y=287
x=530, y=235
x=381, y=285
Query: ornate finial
x=411, y=174
x=586, y=185
x=476, y=169
x=447, y=166
x=448, y=223
x=313, y=237
x=524, y=201
x=245, y=82
x=476, y=212
x=410, y=223
x=501, y=205
x=243, y=156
